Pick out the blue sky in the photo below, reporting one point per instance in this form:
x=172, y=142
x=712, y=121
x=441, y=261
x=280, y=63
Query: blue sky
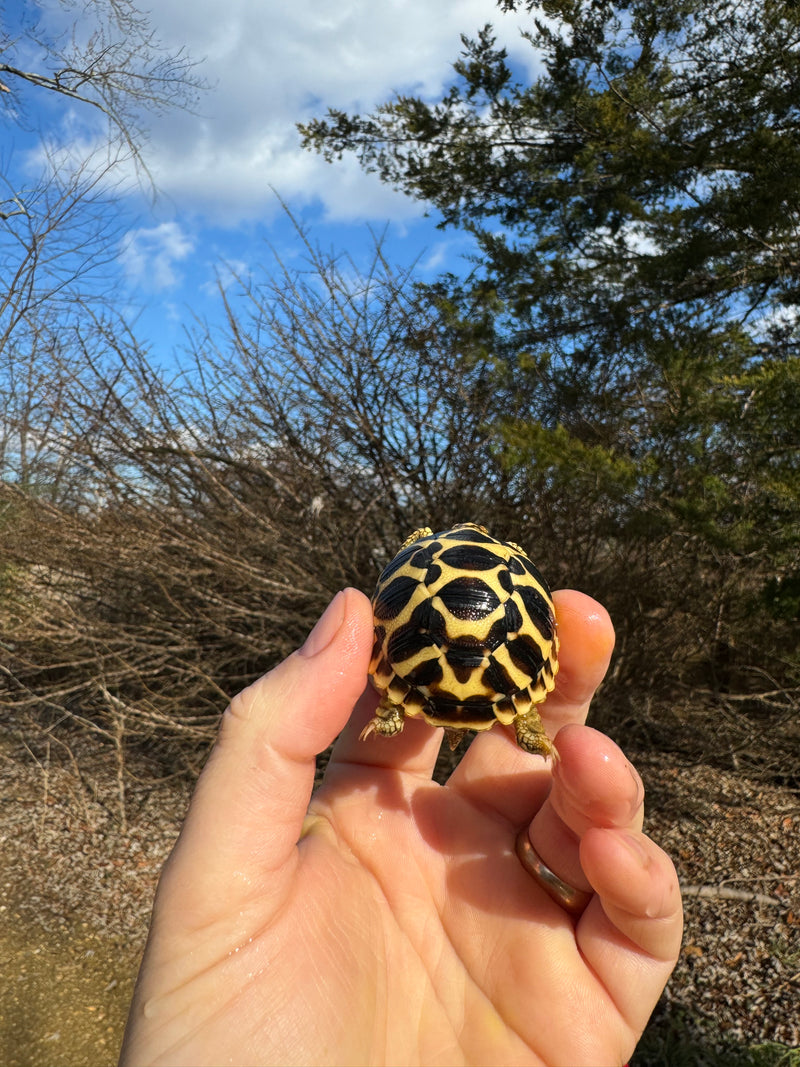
x=222, y=172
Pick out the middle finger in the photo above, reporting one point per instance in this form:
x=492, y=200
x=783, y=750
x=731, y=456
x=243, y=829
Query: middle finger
x=495, y=772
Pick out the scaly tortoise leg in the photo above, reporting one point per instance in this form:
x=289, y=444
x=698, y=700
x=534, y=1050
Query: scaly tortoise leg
x=388, y=721
x=531, y=735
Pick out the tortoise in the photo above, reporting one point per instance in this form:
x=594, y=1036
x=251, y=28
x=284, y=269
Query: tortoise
x=465, y=636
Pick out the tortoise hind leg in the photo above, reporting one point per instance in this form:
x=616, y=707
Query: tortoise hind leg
x=531, y=735
x=389, y=720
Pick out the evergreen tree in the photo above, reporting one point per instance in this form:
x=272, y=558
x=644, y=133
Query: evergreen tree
x=635, y=288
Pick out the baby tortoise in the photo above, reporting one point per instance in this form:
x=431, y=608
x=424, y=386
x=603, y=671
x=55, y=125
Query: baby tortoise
x=465, y=635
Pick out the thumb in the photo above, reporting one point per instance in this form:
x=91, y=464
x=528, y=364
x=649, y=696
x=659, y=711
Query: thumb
x=247, y=811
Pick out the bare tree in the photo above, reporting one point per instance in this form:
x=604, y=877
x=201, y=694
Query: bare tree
x=104, y=56
x=56, y=261
x=354, y=379
x=220, y=509
x=58, y=239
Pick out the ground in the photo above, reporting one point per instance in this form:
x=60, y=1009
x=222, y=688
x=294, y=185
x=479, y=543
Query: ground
x=736, y=845
x=77, y=886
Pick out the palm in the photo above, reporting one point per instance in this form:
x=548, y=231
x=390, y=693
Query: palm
x=402, y=927
x=438, y=902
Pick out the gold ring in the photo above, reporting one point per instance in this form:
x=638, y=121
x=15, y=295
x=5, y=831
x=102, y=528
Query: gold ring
x=567, y=896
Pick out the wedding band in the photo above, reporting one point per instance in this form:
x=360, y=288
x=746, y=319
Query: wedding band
x=567, y=896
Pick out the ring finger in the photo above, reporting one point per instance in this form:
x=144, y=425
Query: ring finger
x=594, y=786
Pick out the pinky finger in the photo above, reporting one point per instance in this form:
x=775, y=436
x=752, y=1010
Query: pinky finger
x=631, y=932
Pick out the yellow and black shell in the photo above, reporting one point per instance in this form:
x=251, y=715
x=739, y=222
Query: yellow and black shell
x=465, y=636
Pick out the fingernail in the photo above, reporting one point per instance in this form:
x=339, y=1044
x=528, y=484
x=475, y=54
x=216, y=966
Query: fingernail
x=326, y=627
x=639, y=785
x=635, y=845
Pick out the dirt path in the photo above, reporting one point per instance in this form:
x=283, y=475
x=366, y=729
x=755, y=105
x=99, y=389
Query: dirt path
x=75, y=898
x=64, y=999
x=76, y=891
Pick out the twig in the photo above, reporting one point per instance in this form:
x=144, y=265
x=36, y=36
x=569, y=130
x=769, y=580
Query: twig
x=45, y=793
x=716, y=892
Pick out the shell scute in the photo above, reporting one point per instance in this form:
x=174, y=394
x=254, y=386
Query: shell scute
x=476, y=534
x=470, y=558
x=395, y=598
x=408, y=644
x=538, y=606
x=469, y=598
x=496, y=679
x=513, y=621
x=526, y=654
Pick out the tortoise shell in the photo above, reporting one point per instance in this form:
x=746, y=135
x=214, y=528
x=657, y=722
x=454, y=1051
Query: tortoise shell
x=465, y=636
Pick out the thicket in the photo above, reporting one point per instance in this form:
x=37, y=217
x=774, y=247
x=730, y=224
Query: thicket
x=615, y=386
x=172, y=537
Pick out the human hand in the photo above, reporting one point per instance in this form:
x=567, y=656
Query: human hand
x=389, y=920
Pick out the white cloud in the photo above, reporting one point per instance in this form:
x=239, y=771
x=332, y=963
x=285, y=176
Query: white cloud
x=436, y=258
x=229, y=273
x=150, y=254
x=776, y=318
x=273, y=64
x=270, y=64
